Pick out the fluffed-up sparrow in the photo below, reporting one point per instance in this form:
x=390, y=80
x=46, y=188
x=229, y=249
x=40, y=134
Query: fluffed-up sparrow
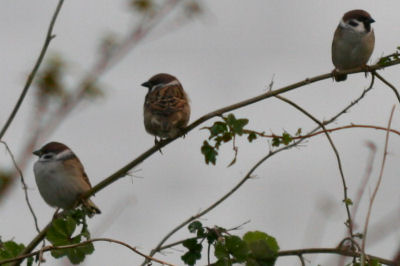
x=166, y=106
x=61, y=178
x=353, y=42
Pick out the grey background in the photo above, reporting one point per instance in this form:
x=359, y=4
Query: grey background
x=229, y=54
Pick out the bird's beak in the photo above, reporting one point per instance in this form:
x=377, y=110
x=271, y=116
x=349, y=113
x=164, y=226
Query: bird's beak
x=146, y=84
x=37, y=152
x=371, y=20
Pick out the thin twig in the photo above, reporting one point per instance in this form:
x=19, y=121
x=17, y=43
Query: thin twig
x=24, y=186
x=388, y=84
x=365, y=179
x=160, y=245
x=339, y=251
x=376, y=187
x=303, y=263
x=32, y=75
x=329, y=130
x=122, y=171
x=349, y=222
x=49, y=248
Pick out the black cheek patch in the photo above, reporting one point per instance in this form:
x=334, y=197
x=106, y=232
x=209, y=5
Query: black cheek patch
x=367, y=26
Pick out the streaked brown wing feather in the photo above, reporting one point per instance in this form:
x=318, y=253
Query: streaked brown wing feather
x=76, y=163
x=166, y=100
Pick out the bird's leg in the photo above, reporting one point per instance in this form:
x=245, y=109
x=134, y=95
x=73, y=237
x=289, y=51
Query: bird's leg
x=156, y=142
x=366, y=69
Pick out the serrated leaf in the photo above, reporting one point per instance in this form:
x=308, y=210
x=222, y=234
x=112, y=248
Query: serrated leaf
x=210, y=154
x=218, y=128
x=236, y=125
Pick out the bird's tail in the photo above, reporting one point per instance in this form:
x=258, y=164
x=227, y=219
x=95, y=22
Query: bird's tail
x=340, y=77
x=91, y=207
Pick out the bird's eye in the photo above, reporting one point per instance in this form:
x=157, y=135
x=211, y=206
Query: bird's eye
x=48, y=156
x=353, y=23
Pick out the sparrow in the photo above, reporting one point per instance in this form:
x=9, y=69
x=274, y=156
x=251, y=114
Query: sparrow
x=61, y=178
x=353, y=42
x=166, y=107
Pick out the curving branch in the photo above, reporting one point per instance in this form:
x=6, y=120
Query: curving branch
x=339, y=251
x=24, y=186
x=349, y=222
x=125, y=169
x=388, y=84
x=32, y=75
x=377, y=186
x=161, y=245
x=49, y=248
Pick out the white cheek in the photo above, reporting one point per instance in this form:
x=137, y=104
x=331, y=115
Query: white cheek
x=360, y=28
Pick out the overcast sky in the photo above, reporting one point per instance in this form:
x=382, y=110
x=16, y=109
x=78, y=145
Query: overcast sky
x=230, y=53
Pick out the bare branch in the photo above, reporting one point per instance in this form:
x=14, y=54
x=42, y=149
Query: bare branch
x=49, y=248
x=388, y=84
x=32, y=75
x=349, y=222
x=365, y=179
x=122, y=171
x=24, y=186
x=339, y=251
x=376, y=187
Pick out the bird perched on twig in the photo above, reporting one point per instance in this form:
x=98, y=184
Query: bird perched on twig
x=166, y=106
x=353, y=42
x=61, y=178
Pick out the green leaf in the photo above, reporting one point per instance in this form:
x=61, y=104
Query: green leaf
x=263, y=248
x=194, y=253
x=348, y=202
x=236, y=125
x=374, y=262
x=61, y=230
x=210, y=154
x=286, y=138
x=298, y=132
x=196, y=226
x=252, y=136
x=237, y=247
x=9, y=250
x=231, y=246
x=276, y=141
x=61, y=233
x=218, y=128
x=221, y=251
